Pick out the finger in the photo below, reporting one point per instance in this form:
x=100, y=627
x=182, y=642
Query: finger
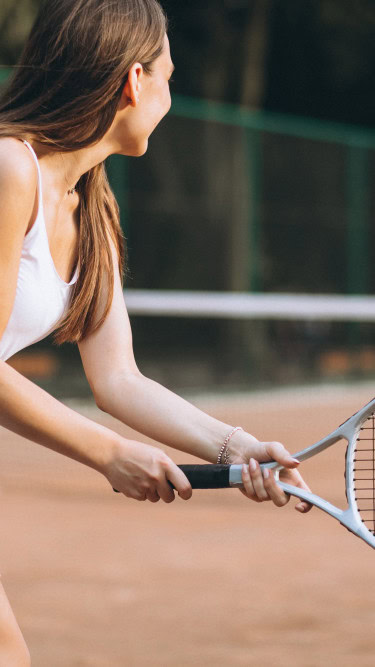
x=257, y=480
x=294, y=477
x=179, y=481
x=248, y=488
x=277, y=452
x=275, y=492
x=302, y=506
x=139, y=496
x=153, y=496
x=133, y=494
x=165, y=491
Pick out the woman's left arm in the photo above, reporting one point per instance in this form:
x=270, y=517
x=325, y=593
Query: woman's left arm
x=122, y=391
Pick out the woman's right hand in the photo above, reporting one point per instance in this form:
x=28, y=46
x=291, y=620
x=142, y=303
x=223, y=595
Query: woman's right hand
x=143, y=472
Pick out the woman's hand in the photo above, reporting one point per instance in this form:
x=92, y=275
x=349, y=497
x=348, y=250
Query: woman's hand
x=143, y=472
x=261, y=485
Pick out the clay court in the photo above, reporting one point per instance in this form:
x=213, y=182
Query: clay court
x=97, y=580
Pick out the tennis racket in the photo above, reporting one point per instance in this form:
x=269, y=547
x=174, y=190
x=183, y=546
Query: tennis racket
x=359, y=515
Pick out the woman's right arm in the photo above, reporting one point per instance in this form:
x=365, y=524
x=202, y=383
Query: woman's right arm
x=136, y=469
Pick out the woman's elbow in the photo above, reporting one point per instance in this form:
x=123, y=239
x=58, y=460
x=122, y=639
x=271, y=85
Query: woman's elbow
x=107, y=394
x=100, y=402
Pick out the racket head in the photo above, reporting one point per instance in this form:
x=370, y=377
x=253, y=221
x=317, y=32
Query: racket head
x=360, y=473
x=359, y=432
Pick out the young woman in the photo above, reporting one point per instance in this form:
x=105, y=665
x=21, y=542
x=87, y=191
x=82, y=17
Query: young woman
x=92, y=81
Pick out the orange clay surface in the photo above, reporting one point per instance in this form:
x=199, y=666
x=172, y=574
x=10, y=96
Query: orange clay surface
x=98, y=580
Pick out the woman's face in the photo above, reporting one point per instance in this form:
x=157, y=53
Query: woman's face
x=148, y=100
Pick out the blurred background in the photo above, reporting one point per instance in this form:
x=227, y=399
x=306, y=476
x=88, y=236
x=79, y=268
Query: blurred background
x=259, y=181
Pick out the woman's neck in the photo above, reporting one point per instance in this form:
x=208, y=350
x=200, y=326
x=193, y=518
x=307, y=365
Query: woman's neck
x=62, y=170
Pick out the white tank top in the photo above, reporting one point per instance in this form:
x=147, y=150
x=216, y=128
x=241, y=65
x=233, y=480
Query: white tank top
x=42, y=296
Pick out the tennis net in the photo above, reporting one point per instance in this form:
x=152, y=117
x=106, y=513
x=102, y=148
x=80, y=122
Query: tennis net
x=224, y=340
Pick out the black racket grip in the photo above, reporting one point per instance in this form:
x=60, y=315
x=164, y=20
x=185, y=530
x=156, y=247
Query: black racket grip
x=208, y=476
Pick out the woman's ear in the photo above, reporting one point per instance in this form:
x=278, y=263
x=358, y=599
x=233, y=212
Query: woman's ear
x=131, y=93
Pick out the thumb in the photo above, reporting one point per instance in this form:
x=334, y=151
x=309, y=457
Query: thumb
x=277, y=452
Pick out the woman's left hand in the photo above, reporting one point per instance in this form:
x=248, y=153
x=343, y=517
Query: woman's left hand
x=261, y=485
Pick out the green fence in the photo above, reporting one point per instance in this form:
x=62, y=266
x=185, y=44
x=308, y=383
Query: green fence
x=356, y=142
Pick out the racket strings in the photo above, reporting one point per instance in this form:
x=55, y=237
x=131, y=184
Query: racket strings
x=364, y=473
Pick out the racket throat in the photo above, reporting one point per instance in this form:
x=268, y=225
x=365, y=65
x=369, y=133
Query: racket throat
x=350, y=522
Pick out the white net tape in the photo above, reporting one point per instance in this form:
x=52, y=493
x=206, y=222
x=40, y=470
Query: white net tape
x=250, y=306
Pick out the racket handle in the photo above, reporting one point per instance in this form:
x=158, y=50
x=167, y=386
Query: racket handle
x=208, y=476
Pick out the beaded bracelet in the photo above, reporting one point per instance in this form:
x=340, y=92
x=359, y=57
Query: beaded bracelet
x=224, y=454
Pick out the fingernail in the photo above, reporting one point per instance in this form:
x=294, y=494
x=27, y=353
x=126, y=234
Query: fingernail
x=266, y=473
x=296, y=460
x=245, y=470
x=253, y=465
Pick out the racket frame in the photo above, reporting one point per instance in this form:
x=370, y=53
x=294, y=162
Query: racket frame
x=350, y=517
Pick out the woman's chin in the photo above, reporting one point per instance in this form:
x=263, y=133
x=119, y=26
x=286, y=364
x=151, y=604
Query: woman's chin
x=135, y=150
x=138, y=150
x=142, y=149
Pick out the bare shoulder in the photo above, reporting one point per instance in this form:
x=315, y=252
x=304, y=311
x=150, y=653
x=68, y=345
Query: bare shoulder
x=18, y=172
x=18, y=188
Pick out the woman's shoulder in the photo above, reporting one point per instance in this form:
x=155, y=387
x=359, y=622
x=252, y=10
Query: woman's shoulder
x=18, y=172
x=18, y=185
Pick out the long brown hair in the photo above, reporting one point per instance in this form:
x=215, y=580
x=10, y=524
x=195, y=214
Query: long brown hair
x=65, y=92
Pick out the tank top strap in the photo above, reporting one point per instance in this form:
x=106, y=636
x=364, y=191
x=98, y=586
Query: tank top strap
x=29, y=146
x=40, y=191
x=38, y=232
